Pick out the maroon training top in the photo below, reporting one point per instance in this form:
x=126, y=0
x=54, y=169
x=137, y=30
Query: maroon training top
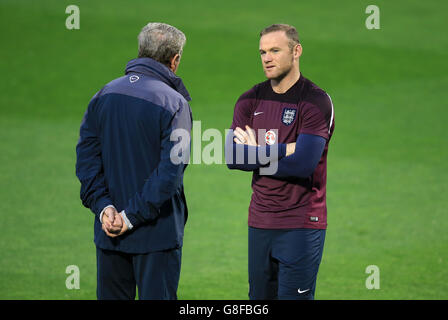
x=304, y=108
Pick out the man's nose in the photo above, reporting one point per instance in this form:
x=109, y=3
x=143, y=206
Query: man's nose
x=267, y=58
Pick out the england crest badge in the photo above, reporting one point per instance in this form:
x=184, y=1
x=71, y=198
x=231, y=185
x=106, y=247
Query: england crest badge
x=288, y=116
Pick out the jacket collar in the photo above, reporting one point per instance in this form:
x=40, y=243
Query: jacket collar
x=154, y=68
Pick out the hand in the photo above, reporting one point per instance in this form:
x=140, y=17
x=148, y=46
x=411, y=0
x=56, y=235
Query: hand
x=110, y=220
x=245, y=137
x=113, y=224
x=290, y=148
x=120, y=222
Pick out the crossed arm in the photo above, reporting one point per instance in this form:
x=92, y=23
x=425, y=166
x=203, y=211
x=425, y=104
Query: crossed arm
x=298, y=160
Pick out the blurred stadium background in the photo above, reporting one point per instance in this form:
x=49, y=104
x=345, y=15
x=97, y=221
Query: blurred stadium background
x=387, y=167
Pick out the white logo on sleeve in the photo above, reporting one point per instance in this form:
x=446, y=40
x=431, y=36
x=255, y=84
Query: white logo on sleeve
x=257, y=113
x=302, y=291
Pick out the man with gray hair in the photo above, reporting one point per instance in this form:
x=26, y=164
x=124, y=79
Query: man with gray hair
x=130, y=178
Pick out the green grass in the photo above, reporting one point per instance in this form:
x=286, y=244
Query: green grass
x=387, y=164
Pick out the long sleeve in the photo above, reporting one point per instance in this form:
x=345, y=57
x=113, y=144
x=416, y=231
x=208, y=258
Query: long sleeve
x=89, y=167
x=249, y=158
x=243, y=157
x=166, y=178
x=304, y=160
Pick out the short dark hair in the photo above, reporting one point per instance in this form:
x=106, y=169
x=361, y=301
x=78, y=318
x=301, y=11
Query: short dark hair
x=290, y=32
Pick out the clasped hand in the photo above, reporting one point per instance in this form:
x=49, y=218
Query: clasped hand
x=113, y=224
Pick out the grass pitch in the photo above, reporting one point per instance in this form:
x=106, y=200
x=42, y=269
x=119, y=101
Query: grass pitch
x=387, y=163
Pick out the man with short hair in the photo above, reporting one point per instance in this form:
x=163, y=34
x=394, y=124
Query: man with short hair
x=130, y=178
x=287, y=212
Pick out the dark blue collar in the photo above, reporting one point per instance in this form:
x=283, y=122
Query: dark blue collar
x=151, y=67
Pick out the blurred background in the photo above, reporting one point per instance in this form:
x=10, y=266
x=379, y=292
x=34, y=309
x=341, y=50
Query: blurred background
x=387, y=162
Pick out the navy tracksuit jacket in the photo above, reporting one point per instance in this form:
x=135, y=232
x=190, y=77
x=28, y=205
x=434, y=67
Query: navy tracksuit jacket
x=123, y=156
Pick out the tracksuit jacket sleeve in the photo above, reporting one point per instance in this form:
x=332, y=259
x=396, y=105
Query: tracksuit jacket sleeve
x=166, y=178
x=89, y=168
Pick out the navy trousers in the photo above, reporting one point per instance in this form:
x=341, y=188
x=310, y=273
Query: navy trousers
x=283, y=264
x=155, y=274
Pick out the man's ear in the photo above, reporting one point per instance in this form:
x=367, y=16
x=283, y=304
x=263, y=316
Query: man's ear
x=174, y=62
x=297, y=51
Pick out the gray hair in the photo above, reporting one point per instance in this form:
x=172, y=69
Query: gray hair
x=161, y=42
